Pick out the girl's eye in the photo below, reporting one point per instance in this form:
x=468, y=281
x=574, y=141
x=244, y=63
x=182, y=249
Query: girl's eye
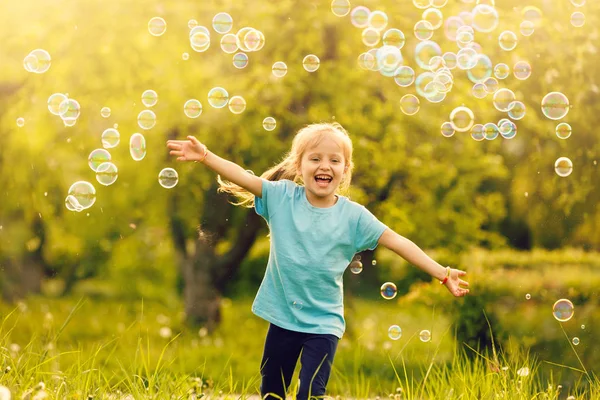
x=335, y=161
x=314, y=159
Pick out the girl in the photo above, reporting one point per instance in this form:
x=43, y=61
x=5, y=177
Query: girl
x=315, y=232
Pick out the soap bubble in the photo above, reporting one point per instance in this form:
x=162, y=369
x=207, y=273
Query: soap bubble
x=563, y=130
x=107, y=173
x=425, y=336
x=388, y=290
x=269, y=123
x=394, y=332
x=192, y=108
x=279, y=69
x=356, y=267
x=555, y=105
x=168, y=178
x=563, y=310
x=157, y=26
x=340, y=8
x=563, y=167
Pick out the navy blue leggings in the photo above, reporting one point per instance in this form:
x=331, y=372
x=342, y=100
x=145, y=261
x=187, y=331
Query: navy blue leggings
x=282, y=349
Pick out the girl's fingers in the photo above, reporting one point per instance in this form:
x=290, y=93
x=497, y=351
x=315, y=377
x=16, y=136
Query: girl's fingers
x=193, y=140
x=181, y=159
x=461, y=273
x=174, y=146
x=176, y=153
x=463, y=283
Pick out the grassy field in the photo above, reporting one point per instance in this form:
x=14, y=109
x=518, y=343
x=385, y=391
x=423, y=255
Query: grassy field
x=92, y=347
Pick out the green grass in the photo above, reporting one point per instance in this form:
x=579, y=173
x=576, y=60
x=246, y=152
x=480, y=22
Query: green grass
x=108, y=349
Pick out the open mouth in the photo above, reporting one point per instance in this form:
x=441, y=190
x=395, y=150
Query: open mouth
x=323, y=180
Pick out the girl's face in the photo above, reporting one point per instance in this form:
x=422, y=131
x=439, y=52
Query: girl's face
x=322, y=168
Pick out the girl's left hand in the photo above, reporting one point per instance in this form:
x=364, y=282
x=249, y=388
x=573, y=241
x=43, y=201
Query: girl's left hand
x=455, y=284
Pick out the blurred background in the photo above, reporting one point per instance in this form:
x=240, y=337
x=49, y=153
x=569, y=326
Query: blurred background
x=496, y=208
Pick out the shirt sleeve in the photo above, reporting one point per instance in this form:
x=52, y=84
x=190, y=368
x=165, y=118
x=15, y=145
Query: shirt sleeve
x=368, y=230
x=273, y=193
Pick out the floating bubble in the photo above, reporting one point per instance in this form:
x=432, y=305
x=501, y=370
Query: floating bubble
x=252, y=40
x=451, y=27
x=107, y=173
x=105, y=112
x=157, y=26
x=507, y=129
x=374, y=262
x=388, y=290
x=425, y=51
x=507, y=40
x=501, y=71
x=555, y=105
x=378, y=20
x=522, y=70
x=516, y=110
x=279, y=69
x=54, y=103
x=38, y=61
x=69, y=122
x=576, y=341
x=582, y=326
x=366, y=61
x=490, y=131
x=149, y=98
x=240, y=60
x=523, y=371
x=409, y=104
x=359, y=16
x=269, y=123
x=425, y=336
x=72, y=204
x=503, y=98
x=298, y=305
x=466, y=58
x=192, y=23
x=462, y=119
x=478, y=90
x=434, y=17
x=578, y=19
x=449, y=59
x=168, y=178
x=394, y=332
x=464, y=36
x=222, y=23
x=110, y=138
x=97, y=157
x=423, y=30
x=447, y=129
x=340, y=8
x=533, y=14
x=146, y=119
x=240, y=35
x=229, y=43
x=477, y=132
x=527, y=28
x=438, y=3
x=563, y=310
x=218, y=97
x=528, y=296
x=20, y=122
x=70, y=110
x=563, y=130
x=356, y=267
x=137, y=146
x=484, y=18
x=200, y=41
x=237, y=104
x=481, y=70
x=491, y=85
x=578, y=3
x=370, y=37
x=192, y=108
x=84, y=192
x=311, y=63
x=563, y=167
x=404, y=76
x=394, y=37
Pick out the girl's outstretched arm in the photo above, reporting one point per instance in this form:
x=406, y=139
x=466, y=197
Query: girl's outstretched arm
x=414, y=255
x=193, y=150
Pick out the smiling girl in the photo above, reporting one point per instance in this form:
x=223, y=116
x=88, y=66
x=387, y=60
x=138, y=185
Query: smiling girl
x=315, y=232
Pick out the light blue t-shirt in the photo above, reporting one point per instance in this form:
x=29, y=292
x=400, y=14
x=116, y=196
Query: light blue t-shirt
x=302, y=289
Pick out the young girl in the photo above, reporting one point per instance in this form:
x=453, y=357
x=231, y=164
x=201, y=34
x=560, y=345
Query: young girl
x=315, y=232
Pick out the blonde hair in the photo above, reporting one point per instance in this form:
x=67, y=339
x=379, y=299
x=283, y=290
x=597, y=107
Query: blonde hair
x=306, y=137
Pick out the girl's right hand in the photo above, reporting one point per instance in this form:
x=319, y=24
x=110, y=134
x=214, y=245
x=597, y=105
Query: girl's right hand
x=187, y=150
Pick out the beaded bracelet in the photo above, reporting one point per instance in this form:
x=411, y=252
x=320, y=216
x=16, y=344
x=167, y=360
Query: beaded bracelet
x=204, y=153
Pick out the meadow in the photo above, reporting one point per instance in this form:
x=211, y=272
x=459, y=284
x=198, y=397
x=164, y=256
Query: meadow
x=94, y=346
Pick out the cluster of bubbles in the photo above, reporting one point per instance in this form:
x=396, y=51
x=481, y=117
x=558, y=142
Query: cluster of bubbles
x=37, y=61
x=395, y=333
x=439, y=68
x=66, y=108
